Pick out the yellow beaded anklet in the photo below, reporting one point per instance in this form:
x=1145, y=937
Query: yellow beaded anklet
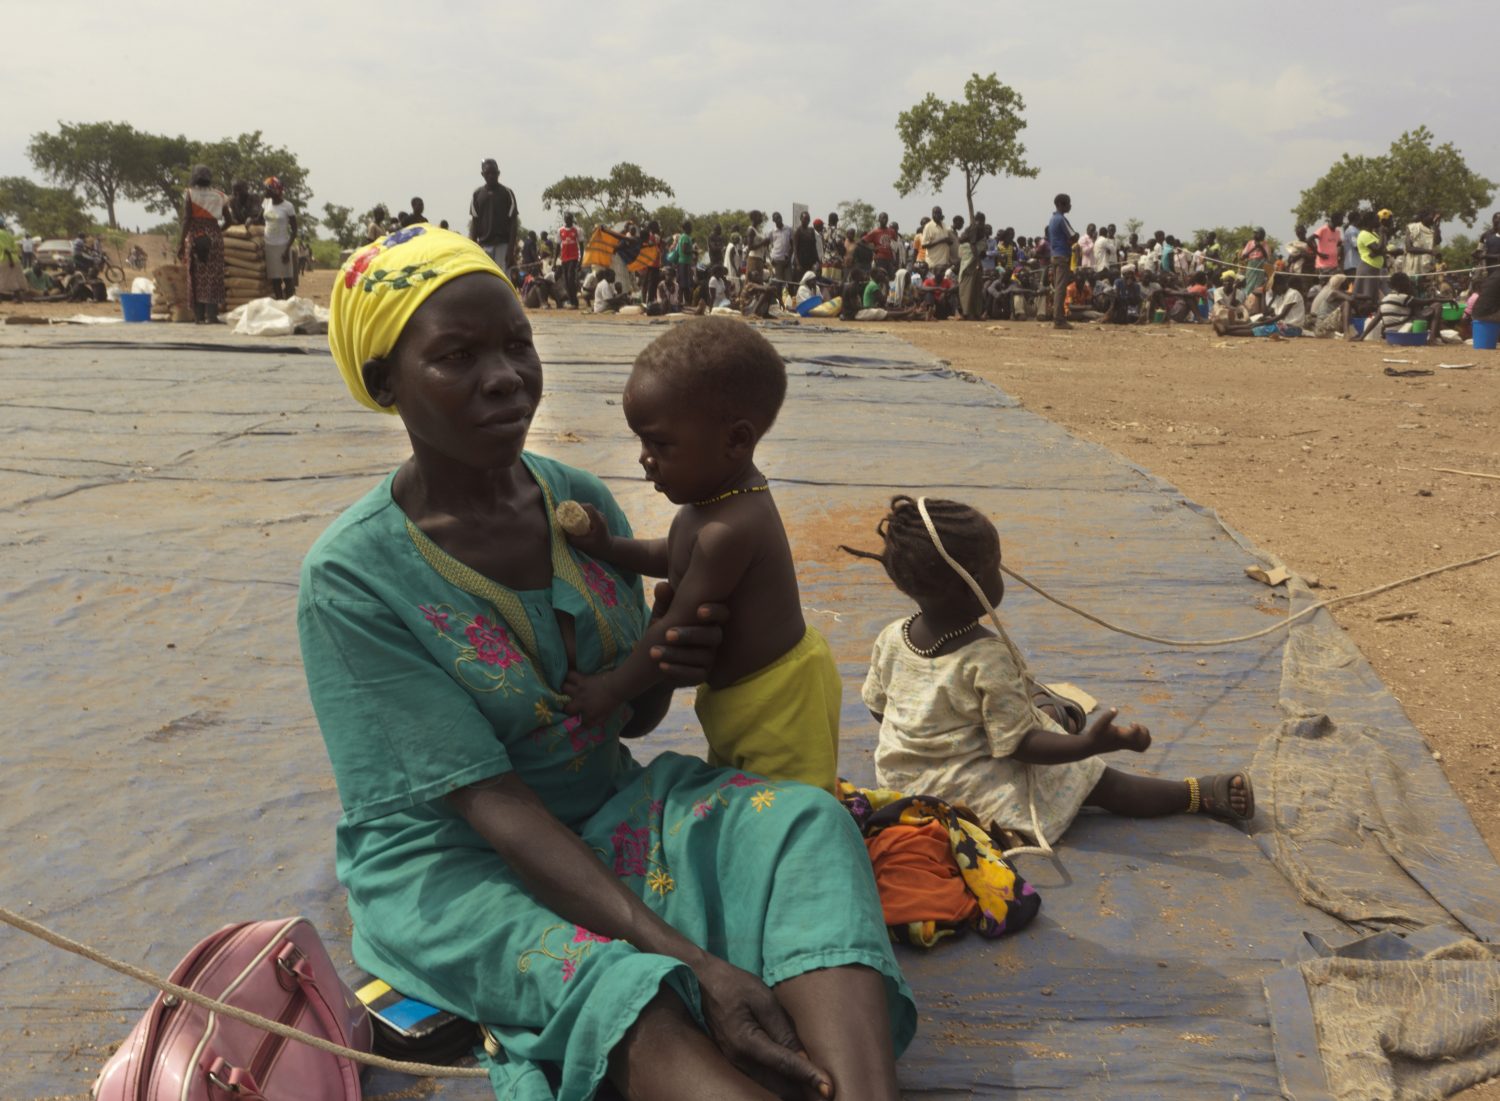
x=1195, y=800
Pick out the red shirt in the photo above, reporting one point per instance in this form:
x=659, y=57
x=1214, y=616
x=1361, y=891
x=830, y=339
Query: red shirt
x=567, y=243
x=881, y=237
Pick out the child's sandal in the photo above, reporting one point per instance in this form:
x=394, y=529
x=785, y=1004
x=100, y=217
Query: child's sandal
x=1210, y=796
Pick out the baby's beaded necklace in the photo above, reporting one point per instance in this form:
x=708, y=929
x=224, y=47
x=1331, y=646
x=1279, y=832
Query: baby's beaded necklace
x=943, y=640
x=731, y=493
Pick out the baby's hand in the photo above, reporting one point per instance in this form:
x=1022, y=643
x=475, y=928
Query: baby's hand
x=590, y=697
x=584, y=527
x=1108, y=737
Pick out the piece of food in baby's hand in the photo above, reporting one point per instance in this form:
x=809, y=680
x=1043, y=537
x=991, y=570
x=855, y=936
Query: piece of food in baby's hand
x=572, y=518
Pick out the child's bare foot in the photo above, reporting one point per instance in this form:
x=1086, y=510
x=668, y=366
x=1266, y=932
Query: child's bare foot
x=1109, y=737
x=1228, y=796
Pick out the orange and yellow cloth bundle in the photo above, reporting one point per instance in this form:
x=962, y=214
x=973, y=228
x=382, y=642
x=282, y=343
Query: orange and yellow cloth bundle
x=937, y=870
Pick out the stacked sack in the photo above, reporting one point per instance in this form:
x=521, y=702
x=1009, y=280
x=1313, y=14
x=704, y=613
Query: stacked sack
x=244, y=265
x=170, y=298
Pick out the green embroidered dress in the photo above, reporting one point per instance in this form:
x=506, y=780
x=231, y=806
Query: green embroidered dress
x=427, y=676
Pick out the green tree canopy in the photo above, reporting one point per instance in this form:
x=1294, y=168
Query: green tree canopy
x=613, y=198
x=43, y=211
x=341, y=223
x=978, y=136
x=1413, y=176
x=858, y=215
x=106, y=161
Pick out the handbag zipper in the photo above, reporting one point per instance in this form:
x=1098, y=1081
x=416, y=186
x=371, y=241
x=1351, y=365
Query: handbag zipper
x=187, y=974
x=270, y=1047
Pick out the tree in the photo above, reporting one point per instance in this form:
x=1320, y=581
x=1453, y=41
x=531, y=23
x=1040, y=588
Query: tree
x=43, y=211
x=249, y=158
x=613, y=198
x=1413, y=176
x=340, y=222
x=1133, y=225
x=1459, y=252
x=1232, y=241
x=858, y=215
x=104, y=160
x=977, y=136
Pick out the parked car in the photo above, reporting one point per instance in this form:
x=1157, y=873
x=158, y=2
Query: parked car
x=56, y=252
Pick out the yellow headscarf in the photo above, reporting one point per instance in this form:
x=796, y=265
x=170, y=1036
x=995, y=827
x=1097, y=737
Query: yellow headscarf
x=382, y=285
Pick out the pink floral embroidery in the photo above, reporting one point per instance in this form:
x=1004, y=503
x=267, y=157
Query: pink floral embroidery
x=631, y=848
x=569, y=969
x=701, y=810
x=740, y=780
x=584, y=936
x=491, y=643
x=601, y=583
x=436, y=618
x=580, y=738
x=657, y=807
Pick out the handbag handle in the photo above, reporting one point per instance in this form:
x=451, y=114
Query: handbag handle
x=234, y=1081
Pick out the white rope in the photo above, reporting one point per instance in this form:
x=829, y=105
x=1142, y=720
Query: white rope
x=420, y=1070
x=1279, y=625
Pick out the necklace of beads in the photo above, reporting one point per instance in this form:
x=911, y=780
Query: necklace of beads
x=943, y=640
x=732, y=493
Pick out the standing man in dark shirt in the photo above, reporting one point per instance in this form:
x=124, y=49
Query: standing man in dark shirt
x=493, y=217
x=805, y=246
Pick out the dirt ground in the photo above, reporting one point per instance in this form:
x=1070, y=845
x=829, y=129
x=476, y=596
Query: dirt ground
x=1317, y=455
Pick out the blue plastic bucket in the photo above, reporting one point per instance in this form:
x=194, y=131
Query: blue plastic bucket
x=1486, y=335
x=1409, y=340
x=136, y=307
x=805, y=309
x=1359, y=325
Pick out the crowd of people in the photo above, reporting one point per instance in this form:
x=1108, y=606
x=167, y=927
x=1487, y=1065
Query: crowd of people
x=1353, y=275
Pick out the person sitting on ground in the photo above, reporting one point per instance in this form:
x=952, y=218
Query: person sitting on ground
x=757, y=297
x=609, y=296
x=1401, y=306
x=961, y=716
x=807, y=287
x=1484, y=303
x=1288, y=307
x=438, y=618
x=700, y=398
x=1181, y=303
x=668, y=295
x=1330, y=307
x=718, y=288
x=1079, y=300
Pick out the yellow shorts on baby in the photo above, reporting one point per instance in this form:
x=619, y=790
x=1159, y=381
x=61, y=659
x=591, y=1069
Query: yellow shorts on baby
x=782, y=721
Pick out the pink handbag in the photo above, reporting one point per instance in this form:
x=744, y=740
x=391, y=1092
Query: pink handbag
x=278, y=969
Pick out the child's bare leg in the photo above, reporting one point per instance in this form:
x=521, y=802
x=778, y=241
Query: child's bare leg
x=840, y=1014
x=1133, y=796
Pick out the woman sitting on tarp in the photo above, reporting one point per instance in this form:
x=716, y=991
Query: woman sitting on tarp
x=682, y=930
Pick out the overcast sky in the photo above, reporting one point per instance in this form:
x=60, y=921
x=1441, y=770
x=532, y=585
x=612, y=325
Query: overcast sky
x=1184, y=115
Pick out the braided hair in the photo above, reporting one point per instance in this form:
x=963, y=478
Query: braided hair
x=911, y=560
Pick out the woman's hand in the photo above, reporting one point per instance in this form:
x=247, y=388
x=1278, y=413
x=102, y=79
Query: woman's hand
x=750, y=1027
x=689, y=653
